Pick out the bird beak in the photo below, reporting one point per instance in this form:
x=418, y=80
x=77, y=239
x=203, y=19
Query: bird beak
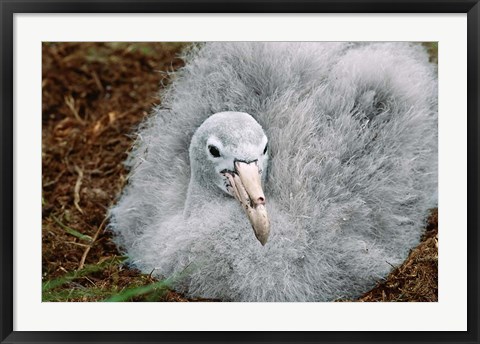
x=246, y=187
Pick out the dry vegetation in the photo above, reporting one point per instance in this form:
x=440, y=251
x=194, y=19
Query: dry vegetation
x=94, y=95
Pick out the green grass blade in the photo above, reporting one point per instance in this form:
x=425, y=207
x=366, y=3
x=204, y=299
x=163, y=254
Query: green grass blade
x=126, y=295
x=88, y=269
x=65, y=295
x=72, y=231
x=155, y=289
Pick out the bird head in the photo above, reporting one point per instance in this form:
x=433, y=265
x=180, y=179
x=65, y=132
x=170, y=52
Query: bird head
x=229, y=153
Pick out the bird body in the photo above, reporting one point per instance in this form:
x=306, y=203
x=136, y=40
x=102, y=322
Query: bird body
x=327, y=150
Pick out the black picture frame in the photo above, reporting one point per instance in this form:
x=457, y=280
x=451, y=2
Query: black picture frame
x=9, y=8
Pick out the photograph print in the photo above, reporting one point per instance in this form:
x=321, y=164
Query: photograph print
x=239, y=171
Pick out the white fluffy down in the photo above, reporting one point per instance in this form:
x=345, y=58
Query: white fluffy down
x=352, y=130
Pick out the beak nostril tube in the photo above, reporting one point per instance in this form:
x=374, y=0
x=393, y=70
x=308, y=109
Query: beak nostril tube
x=260, y=200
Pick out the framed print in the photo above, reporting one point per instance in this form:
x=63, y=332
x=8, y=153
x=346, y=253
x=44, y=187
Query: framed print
x=181, y=172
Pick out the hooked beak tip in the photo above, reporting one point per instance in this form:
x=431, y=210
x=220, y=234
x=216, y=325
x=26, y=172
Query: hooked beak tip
x=262, y=238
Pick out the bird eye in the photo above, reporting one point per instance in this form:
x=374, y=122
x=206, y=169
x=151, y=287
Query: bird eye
x=265, y=150
x=214, y=151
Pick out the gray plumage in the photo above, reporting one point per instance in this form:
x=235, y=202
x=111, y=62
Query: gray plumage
x=352, y=170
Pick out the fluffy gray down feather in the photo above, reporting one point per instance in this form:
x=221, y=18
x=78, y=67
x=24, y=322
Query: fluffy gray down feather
x=352, y=131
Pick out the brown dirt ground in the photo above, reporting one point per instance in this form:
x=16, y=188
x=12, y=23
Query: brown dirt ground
x=94, y=95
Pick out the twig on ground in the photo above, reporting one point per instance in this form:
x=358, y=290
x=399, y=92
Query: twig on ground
x=57, y=178
x=98, y=82
x=76, y=243
x=70, y=102
x=87, y=249
x=78, y=184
